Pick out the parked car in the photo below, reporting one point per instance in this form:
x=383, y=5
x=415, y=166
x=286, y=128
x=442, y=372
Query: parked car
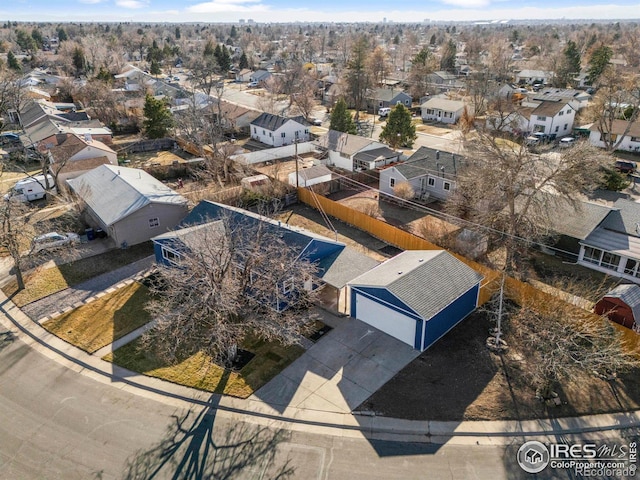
x=566, y=142
x=53, y=240
x=252, y=84
x=531, y=140
x=9, y=137
x=626, y=166
x=317, y=122
x=384, y=111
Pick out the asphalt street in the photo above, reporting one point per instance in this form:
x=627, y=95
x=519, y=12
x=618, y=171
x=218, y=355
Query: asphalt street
x=59, y=424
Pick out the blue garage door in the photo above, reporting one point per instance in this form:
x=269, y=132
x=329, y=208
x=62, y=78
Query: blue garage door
x=448, y=318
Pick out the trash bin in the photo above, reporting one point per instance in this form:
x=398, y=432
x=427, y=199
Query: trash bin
x=90, y=233
x=100, y=233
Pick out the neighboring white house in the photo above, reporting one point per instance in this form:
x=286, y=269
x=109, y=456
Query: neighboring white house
x=128, y=204
x=552, y=118
x=533, y=76
x=431, y=173
x=514, y=119
x=277, y=131
x=310, y=176
x=352, y=152
x=613, y=246
x=630, y=141
x=442, y=110
x=244, y=75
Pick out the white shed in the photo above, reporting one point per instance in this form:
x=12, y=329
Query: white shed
x=310, y=176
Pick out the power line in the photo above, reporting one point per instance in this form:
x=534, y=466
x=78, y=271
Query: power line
x=446, y=216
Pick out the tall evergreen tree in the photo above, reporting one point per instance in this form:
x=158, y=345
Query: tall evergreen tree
x=12, y=62
x=448, y=59
x=157, y=118
x=598, y=63
x=62, y=35
x=399, y=130
x=569, y=66
x=243, y=62
x=341, y=120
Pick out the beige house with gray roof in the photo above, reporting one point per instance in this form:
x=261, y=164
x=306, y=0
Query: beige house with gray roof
x=128, y=204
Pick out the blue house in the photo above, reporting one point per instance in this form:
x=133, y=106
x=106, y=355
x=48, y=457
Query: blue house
x=416, y=296
x=336, y=264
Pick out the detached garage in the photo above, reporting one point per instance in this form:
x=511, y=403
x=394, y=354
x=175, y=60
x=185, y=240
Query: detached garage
x=416, y=296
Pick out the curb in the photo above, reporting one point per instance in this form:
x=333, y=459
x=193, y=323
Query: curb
x=354, y=425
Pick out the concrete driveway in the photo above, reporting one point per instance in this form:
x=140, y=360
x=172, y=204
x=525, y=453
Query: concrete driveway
x=340, y=371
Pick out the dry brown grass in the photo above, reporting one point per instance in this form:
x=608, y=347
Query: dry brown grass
x=199, y=371
x=97, y=324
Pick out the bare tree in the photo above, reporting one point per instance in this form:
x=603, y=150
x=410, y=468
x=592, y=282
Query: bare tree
x=562, y=339
x=617, y=101
x=233, y=278
x=509, y=189
x=13, y=215
x=404, y=190
x=378, y=64
x=358, y=78
x=203, y=127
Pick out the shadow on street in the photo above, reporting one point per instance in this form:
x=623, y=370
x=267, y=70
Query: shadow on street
x=192, y=450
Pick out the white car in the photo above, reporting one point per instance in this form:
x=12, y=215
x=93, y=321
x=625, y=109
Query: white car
x=252, y=84
x=567, y=142
x=53, y=240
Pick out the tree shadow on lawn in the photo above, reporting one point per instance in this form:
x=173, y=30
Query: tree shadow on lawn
x=200, y=371
x=196, y=448
x=458, y=379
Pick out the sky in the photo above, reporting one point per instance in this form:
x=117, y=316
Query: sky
x=177, y=11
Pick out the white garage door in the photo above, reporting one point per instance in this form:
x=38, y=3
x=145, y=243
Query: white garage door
x=389, y=321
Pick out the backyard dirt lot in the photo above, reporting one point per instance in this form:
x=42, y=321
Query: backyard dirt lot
x=460, y=379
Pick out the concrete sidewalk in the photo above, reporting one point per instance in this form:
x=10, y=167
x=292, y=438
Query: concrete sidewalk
x=300, y=418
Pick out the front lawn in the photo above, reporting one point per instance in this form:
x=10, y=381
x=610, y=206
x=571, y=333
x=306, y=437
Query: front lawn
x=45, y=281
x=200, y=372
x=97, y=324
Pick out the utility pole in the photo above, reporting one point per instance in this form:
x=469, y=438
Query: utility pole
x=296, y=159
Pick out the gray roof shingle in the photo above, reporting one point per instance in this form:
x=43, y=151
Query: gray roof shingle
x=427, y=281
x=577, y=221
x=424, y=161
x=625, y=218
x=114, y=193
x=273, y=122
x=629, y=294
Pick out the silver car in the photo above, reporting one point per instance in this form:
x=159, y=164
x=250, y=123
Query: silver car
x=53, y=240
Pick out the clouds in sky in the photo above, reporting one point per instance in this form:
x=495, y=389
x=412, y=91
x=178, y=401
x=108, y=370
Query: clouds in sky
x=135, y=4
x=228, y=6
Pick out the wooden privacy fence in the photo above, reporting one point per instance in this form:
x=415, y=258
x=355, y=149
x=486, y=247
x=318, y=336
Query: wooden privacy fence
x=520, y=292
x=394, y=236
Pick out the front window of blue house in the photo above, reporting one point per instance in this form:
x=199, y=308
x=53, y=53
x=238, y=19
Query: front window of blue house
x=170, y=255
